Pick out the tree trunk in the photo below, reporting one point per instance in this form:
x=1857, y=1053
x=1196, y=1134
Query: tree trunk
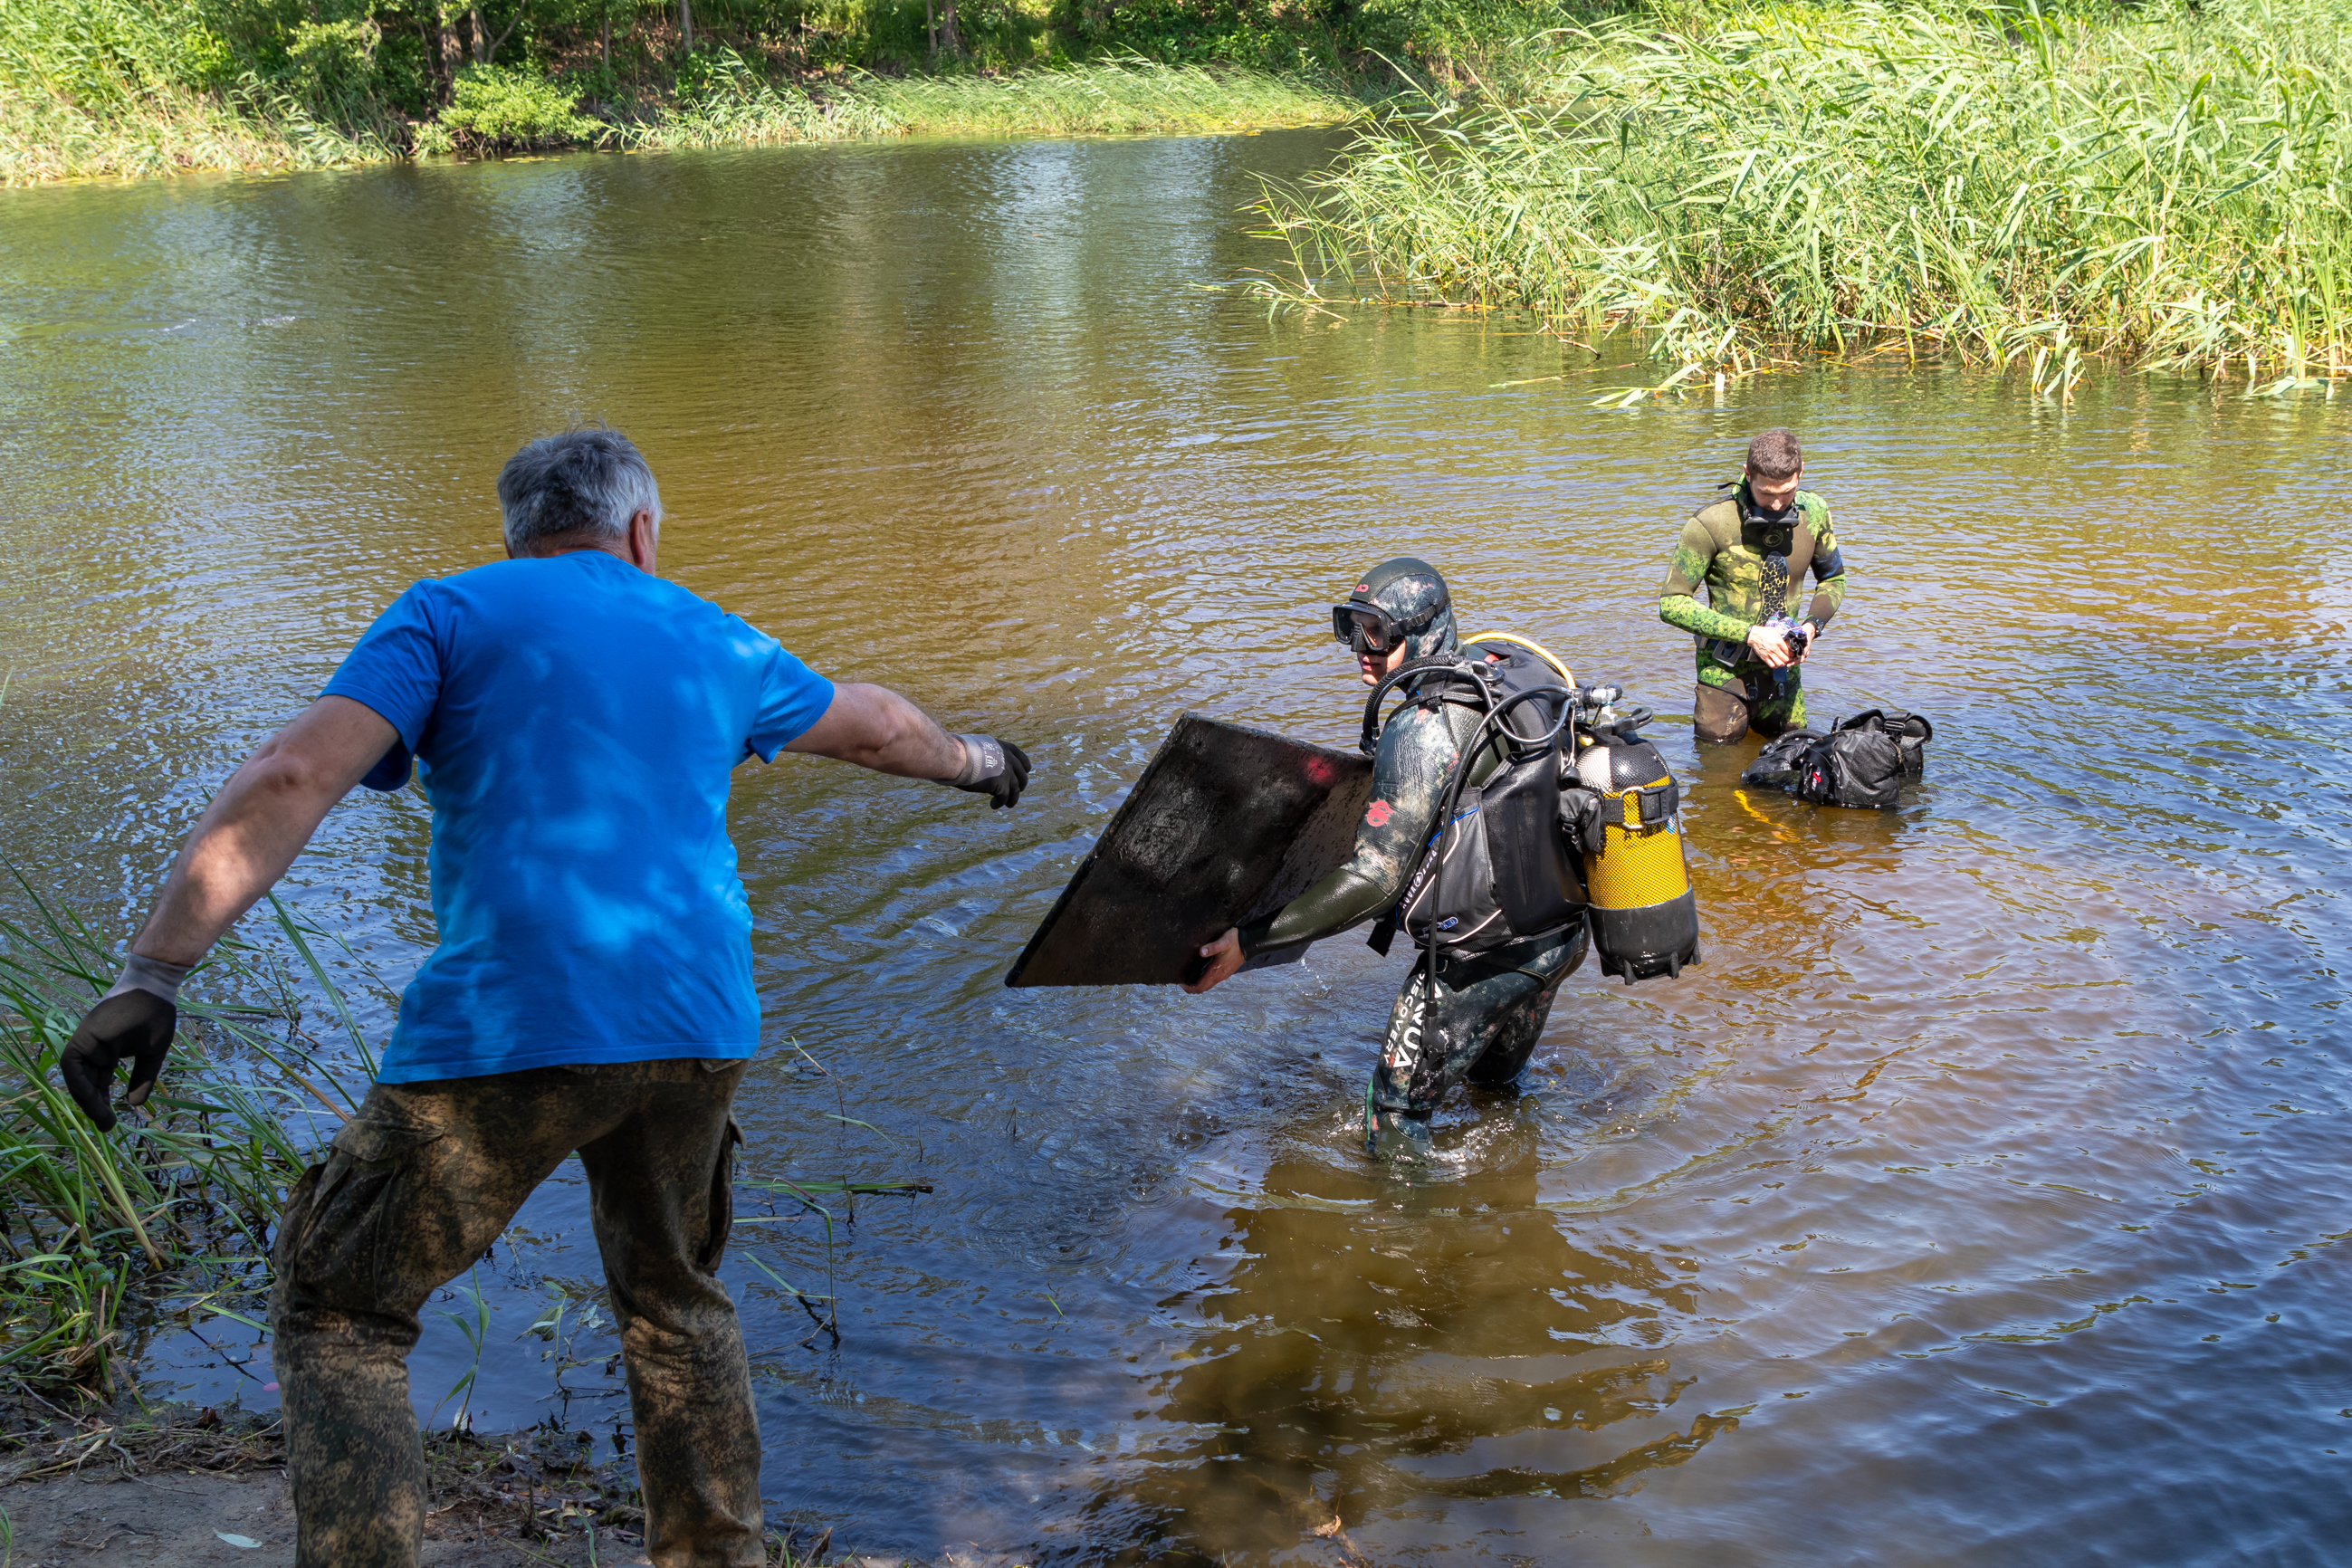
x=951, y=38
x=930, y=30
x=605, y=42
x=481, y=36
x=686, y=23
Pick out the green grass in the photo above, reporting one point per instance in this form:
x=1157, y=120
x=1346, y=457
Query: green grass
x=104, y=1237
x=2009, y=186
x=734, y=105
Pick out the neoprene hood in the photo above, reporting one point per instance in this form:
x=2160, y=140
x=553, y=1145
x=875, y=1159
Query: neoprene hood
x=1411, y=593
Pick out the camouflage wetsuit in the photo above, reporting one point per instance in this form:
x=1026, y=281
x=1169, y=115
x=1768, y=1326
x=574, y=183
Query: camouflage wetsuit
x=1489, y=1007
x=1724, y=547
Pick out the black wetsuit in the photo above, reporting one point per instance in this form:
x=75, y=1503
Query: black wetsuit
x=1489, y=1007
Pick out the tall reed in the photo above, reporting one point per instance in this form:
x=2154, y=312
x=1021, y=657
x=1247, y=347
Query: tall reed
x=1999, y=182
x=102, y=1236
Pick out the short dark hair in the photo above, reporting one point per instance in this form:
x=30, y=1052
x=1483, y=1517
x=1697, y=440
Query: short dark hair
x=589, y=481
x=1775, y=454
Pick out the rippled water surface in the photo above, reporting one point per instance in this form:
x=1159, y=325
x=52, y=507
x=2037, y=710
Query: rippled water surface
x=1977, y=1201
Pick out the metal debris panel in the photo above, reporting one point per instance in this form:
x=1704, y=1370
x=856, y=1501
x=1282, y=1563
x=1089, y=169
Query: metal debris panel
x=1228, y=824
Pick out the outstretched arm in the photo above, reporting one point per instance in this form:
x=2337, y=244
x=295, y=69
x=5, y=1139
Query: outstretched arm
x=240, y=847
x=1415, y=764
x=876, y=728
x=259, y=822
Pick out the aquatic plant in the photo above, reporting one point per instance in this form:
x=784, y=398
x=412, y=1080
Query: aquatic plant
x=2005, y=184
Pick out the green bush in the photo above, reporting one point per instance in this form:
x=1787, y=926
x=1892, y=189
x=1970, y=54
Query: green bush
x=332, y=64
x=504, y=108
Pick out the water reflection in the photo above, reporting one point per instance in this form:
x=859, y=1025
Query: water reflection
x=1388, y=1335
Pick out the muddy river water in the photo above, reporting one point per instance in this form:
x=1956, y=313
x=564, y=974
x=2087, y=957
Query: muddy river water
x=1978, y=1200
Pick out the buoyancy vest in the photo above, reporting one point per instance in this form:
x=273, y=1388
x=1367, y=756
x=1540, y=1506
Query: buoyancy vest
x=1496, y=869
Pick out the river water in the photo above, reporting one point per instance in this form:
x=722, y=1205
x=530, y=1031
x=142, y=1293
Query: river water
x=1977, y=1202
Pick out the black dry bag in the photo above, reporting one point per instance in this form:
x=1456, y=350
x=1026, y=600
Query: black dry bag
x=1863, y=763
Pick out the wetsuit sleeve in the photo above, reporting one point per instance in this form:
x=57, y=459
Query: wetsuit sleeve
x=1829, y=572
x=1677, y=606
x=1415, y=763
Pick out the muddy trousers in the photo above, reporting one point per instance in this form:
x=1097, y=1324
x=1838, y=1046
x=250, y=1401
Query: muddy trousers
x=414, y=1189
x=1480, y=1026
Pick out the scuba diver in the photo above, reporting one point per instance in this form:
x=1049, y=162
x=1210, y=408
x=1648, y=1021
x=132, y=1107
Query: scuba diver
x=1473, y=1012
x=1752, y=550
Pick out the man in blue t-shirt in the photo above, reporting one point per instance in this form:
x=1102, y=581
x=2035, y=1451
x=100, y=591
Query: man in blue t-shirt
x=574, y=721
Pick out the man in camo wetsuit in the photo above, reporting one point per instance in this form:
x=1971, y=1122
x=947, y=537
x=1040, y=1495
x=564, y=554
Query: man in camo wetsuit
x=1748, y=677
x=1489, y=1007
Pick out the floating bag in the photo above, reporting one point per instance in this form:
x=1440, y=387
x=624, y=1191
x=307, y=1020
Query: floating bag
x=1863, y=763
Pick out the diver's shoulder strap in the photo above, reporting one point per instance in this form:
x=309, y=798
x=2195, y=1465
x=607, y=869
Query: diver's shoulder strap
x=1809, y=510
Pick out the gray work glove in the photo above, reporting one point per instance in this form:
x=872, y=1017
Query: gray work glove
x=997, y=768
x=135, y=1019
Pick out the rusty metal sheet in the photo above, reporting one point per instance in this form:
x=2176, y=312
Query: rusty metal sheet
x=1228, y=824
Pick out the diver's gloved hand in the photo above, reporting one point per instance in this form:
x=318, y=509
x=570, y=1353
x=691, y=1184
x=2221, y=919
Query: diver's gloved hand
x=135, y=1019
x=997, y=768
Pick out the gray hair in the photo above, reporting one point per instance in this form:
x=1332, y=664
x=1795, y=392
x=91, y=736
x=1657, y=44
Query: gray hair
x=587, y=483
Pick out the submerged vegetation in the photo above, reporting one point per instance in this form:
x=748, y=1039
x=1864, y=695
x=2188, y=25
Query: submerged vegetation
x=2008, y=185
x=145, y=87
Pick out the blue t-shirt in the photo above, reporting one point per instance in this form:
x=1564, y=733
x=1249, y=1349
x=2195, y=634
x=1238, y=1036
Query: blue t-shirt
x=578, y=721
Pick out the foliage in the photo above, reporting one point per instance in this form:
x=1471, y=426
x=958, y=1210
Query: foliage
x=2004, y=184
x=503, y=107
x=143, y=87
x=102, y=1235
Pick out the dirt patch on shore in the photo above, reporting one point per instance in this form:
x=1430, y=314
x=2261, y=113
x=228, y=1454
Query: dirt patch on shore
x=198, y=1486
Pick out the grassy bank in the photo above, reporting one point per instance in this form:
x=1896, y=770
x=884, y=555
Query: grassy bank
x=2165, y=185
x=105, y=1239
x=149, y=86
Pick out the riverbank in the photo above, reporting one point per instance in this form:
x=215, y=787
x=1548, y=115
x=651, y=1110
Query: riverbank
x=111, y=1243
x=184, y=1484
x=135, y=88
x=166, y=130
x=2160, y=185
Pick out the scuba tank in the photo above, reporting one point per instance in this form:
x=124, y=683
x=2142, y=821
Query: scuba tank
x=1644, y=915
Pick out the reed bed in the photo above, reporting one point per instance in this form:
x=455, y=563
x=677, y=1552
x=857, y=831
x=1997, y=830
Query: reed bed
x=2004, y=185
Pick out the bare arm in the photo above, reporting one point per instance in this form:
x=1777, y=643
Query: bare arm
x=876, y=728
x=259, y=822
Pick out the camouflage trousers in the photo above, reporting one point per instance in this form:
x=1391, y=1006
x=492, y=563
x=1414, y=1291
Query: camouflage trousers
x=1733, y=698
x=414, y=1189
x=1479, y=1027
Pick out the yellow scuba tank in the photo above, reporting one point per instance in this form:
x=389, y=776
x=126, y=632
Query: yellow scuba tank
x=1644, y=916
